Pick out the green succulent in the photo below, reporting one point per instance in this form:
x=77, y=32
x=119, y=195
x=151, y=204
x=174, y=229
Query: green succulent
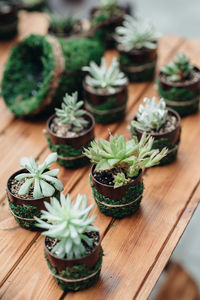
x=61, y=24
x=179, y=69
x=129, y=156
x=44, y=181
x=71, y=114
x=105, y=78
x=69, y=224
x=120, y=179
x=151, y=116
x=136, y=34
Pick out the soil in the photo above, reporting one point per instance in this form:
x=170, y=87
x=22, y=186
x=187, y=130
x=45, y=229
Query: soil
x=169, y=125
x=51, y=242
x=194, y=77
x=108, y=176
x=65, y=131
x=15, y=186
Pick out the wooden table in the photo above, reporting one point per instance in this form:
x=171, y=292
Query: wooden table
x=136, y=248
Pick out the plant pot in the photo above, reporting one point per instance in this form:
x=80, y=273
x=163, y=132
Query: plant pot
x=106, y=108
x=181, y=96
x=70, y=150
x=75, y=274
x=8, y=20
x=36, y=5
x=24, y=210
x=41, y=69
x=119, y=202
x=138, y=64
x=171, y=140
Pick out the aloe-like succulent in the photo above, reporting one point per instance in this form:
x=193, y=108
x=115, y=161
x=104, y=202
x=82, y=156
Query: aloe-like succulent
x=69, y=224
x=151, y=116
x=103, y=77
x=70, y=113
x=179, y=69
x=136, y=34
x=44, y=181
x=128, y=156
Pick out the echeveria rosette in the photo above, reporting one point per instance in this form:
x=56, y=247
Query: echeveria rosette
x=71, y=114
x=151, y=116
x=44, y=181
x=130, y=156
x=179, y=69
x=103, y=77
x=68, y=223
x=136, y=34
x=105, y=3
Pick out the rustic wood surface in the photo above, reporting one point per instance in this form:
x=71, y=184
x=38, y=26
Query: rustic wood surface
x=136, y=248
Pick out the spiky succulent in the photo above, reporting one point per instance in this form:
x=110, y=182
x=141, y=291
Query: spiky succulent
x=179, y=69
x=103, y=77
x=136, y=34
x=70, y=113
x=44, y=181
x=151, y=116
x=128, y=156
x=69, y=224
x=61, y=24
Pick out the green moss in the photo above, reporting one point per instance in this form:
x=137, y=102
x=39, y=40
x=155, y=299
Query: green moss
x=76, y=272
x=119, y=212
x=180, y=94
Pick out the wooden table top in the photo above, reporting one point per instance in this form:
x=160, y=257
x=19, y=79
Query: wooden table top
x=136, y=248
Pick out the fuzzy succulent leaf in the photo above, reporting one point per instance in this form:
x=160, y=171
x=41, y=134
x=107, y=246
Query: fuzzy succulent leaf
x=136, y=34
x=103, y=77
x=71, y=114
x=68, y=223
x=44, y=182
x=179, y=69
x=151, y=116
x=120, y=180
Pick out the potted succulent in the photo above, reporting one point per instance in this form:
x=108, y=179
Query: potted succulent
x=8, y=19
x=69, y=130
x=64, y=26
x=179, y=85
x=162, y=124
x=108, y=15
x=28, y=188
x=72, y=244
x=41, y=69
x=116, y=176
x=106, y=91
x=137, y=45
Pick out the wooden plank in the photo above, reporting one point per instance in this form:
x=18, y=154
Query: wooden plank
x=81, y=186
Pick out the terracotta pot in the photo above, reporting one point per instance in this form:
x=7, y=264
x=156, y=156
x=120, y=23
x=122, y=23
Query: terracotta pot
x=38, y=203
x=76, y=142
x=60, y=264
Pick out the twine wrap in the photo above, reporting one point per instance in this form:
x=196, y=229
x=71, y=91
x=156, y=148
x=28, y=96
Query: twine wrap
x=127, y=206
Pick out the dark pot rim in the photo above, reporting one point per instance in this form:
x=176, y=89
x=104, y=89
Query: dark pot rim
x=157, y=134
x=183, y=84
x=135, y=51
x=70, y=138
x=112, y=187
x=123, y=87
x=19, y=198
x=73, y=260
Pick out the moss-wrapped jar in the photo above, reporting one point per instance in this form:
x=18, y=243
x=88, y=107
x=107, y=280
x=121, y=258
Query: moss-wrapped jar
x=104, y=106
x=117, y=202
x=182, y=96
x=24, y=210
x=8, y=20
x=70, y=149
x=138, y=64
x=75, y=274
x=170, y=140
x=41, y=69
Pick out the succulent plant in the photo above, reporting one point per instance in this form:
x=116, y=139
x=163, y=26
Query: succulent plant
x=70, y=113
x=120, y=179
x=136, y=34
x=69, y=224
x=108, y=3
x=44, y=181
x=61, y=24
x=130, y=156
x=179, y=69
x=105, y=78
x=151, y=116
